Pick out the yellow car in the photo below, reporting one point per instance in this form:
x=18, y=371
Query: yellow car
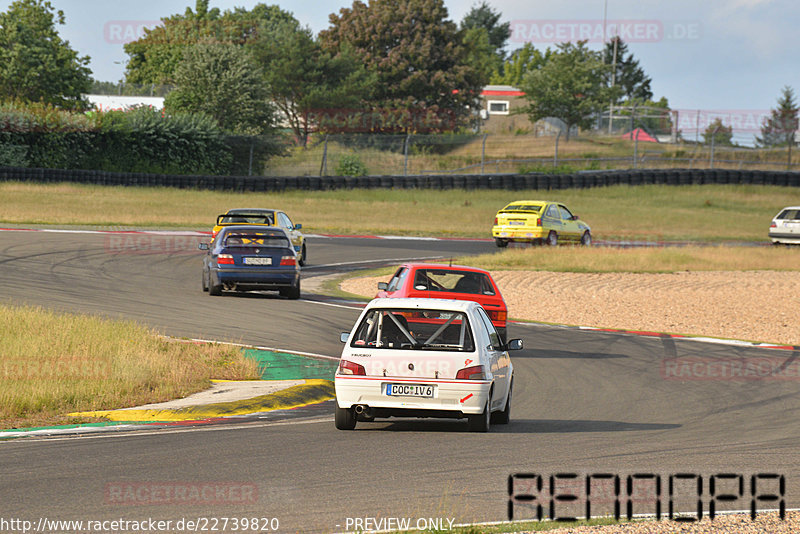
x=267, y=217
x=539, y=221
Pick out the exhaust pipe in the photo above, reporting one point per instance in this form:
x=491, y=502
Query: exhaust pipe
x=362, y=409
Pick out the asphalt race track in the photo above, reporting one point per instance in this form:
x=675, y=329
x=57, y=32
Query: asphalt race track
x=584, y=402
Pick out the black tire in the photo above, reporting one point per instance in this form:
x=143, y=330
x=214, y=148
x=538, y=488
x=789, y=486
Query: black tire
x=292, y=293
x=501, y=243
x=502, y=418
x=480, y=422
x=552, y=239
x=205, y=285
x=213, y=290
x=345, y=418
x=586, y=238
x=302, y=260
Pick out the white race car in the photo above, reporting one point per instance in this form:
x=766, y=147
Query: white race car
x=424, y=358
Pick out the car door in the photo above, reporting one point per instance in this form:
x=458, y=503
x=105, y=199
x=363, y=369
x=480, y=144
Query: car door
x=551, y=221
x=569, y=223
x=498, y=360
x=296, y=237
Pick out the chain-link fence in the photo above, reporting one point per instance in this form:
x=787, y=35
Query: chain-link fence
x=406, y=155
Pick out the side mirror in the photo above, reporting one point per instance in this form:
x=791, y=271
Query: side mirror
x=382, y=286
x=343, y=337
x=514, y=344
x=298, y=226
x=203, y=246
x=575, y=217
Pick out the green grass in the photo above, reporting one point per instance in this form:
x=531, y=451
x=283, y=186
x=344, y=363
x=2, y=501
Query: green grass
x=56, y=363
x=702, y=213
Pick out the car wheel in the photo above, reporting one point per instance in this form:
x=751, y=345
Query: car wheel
x=214, y=290
x=292, y=293
x=552, y=239
x=345, y=418
x=205, y=284
x=502, y=418
x=302, y=260
x=480, y=422
x=586, y=238
x=501, y=243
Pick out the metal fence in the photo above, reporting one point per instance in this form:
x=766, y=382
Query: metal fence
x=408, y=155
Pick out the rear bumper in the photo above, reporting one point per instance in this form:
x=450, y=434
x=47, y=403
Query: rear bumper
x=517, y=233
x=782, y=237
x=273, y=278
x=452, y=398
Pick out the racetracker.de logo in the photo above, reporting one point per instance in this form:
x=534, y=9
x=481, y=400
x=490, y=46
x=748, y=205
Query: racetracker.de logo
x=772, y=368
x=200, y=493
x=154, y=243
x=126, y=31
x=598, y=31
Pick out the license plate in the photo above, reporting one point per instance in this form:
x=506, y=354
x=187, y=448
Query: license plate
x=257, y=261
x=410, y=390
x=516, y=223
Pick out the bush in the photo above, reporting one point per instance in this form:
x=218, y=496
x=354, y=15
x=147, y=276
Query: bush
x=351, y=165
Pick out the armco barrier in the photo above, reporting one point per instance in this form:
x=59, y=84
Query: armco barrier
x=510, y=182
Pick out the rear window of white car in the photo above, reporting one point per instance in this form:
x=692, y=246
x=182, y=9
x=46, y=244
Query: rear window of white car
x=791, y=215
x=394, y=328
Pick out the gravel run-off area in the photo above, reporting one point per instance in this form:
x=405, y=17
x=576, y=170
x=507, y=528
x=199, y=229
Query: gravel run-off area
x=748, y=305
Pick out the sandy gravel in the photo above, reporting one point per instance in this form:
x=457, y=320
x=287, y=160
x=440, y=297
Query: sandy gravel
x=754, y=306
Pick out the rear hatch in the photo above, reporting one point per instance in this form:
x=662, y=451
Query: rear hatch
x=520, y=215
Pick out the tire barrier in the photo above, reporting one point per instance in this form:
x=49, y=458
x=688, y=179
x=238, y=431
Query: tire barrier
x=509, y=182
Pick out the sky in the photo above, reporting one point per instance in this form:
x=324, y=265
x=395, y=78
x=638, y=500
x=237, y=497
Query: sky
x=728, y=58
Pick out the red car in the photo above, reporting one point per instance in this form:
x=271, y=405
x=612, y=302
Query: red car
x=427, y=280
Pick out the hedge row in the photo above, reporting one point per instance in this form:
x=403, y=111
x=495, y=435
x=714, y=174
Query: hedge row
x=511, y=182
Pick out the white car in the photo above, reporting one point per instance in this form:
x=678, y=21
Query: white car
x=785, y=227
x=411, y=357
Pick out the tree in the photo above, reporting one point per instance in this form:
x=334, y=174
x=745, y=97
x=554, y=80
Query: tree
x=36, y=65
x=222, y=81
x=625, y=72
x=780, y=127
x=417, y=55
x=519, y=62
x=155, y=57
x=482, y=16
x=304, y=81
x=720, y=134
x=569, y=86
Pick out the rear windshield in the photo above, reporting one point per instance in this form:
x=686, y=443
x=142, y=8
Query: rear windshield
x=414, y=329
x=792, y=215
x=523, y=207
x=453, y=281
x=252, y=218
x=255, y=239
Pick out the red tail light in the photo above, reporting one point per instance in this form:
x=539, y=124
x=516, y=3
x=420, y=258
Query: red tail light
x=471, y=373
x=495, y=221
x=351, y=368
x=225, y=259
x=288, y=260
x=539, y=221
x=214, y=234
x=497, y=315
x=773, y=225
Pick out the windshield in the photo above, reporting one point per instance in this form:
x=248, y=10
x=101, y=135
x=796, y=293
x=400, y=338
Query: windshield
x=414, y=329
x=254, y=239
x=453, y=281
x=523, y=207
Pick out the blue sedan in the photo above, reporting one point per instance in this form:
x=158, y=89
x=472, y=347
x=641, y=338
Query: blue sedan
x=246, y=258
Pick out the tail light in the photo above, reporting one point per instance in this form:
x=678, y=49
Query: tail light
x=288, y=260
x=214, y=234
x=351, y=368
x=475, y=372
x=498, y=315
x=495, y=221
x=539, y=221
x=773, y=225
x=225, y=259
